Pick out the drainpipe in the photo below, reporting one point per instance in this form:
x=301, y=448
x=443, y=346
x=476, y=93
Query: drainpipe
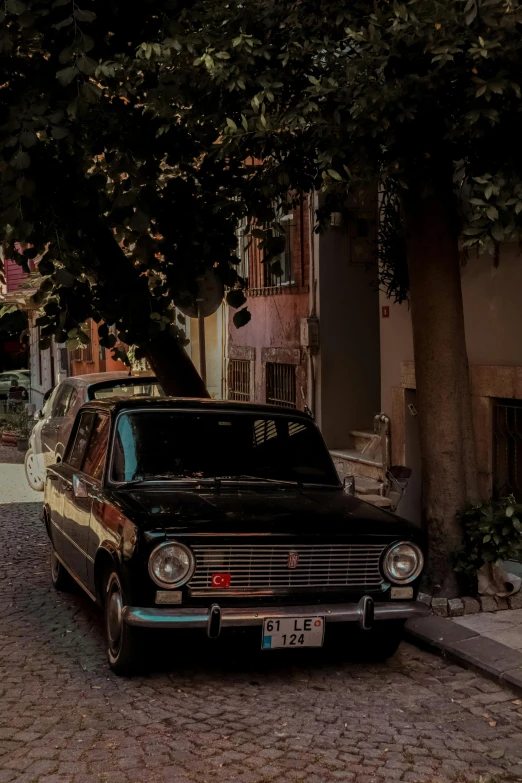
x=313, y=297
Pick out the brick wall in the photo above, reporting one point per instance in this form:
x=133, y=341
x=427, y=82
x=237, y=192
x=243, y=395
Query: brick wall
x=14, y=275
x=273, y=334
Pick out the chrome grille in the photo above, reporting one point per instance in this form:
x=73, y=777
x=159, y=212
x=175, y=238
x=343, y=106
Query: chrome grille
x=262, y=568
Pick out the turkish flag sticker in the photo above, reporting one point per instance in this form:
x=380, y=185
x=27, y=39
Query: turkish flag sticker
x=220, y=580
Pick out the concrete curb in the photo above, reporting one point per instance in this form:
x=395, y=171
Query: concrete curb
x=468, y=648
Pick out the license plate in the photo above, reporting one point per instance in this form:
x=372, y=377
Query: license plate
x=293, y=632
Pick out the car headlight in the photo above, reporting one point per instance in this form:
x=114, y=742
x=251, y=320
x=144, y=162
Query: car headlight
x=171, y=564
x=402, y=562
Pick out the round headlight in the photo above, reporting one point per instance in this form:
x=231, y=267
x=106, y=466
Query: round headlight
x=171, y=565
x=403, y=562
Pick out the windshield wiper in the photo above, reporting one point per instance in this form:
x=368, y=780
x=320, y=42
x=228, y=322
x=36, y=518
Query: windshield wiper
x=260, y=479
x=160, y=477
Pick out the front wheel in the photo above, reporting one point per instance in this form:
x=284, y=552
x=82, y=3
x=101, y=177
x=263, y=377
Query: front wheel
x=380, y=642
x=124, y=642
x=32, y=473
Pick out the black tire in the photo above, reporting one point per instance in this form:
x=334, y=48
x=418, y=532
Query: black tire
x=123, y=642
x=60, y=577
x=31, y=473
x=380, y=642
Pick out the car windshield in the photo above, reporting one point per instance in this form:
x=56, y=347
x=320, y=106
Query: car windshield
x=178, y=445
x=126, y=389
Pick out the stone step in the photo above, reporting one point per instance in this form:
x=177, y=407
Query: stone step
x=375, y=500
x=367, y=486
x=367, y=442
x=350, y=462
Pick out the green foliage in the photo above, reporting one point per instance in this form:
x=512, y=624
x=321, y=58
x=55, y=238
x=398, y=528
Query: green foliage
x=12, y=321
x=348, y=93
x=15, y=423
x=166, y=126
x=102, y=138
x=492, y=532
x=393, y=267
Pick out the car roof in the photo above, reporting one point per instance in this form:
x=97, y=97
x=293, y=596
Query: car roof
x=120, y=403
x=101, y=378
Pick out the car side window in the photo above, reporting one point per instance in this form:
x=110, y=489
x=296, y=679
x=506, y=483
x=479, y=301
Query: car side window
x=62, y=401
x=73, y=398
x=77, y=452
x=96, y=452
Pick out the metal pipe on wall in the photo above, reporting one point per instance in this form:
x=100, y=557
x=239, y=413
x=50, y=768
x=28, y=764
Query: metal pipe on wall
x=313, y=296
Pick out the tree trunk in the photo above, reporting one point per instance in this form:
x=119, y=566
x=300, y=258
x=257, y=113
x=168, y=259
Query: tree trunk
x=123, y=289
x=173, y=368
x=449, y=471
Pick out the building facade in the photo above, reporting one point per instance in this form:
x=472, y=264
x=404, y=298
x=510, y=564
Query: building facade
x=493, y=323
x=265, y=360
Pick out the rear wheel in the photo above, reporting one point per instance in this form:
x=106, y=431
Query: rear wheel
x=380, y=642
x=124, y=642
x=32, y=472
x=60, y=577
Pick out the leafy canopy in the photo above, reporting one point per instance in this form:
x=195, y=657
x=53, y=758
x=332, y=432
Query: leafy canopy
x=400, y=92
x=110, y=168
x=163, y=127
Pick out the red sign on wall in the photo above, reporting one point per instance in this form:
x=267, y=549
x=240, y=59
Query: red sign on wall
x=385, y=311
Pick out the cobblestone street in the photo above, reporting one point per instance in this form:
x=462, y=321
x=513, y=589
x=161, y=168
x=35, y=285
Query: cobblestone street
x=221, y=712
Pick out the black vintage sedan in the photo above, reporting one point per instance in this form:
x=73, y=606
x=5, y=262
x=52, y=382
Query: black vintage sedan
x=185, y=513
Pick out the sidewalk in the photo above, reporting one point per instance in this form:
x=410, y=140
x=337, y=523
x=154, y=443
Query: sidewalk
x=488, y=642
x=13, y=483
x=504, y=627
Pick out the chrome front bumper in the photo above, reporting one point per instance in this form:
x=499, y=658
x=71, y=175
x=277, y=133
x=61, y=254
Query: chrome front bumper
x=216, y=617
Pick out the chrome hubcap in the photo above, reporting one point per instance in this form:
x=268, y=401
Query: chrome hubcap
x=32, y=471
x=30, y=467
x=114, y=617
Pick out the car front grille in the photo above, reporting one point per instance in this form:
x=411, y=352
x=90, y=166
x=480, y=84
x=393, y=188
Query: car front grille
x=266, y=569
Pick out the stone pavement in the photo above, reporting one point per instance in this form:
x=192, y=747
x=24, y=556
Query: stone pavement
x=224, y=711
x=504, y=626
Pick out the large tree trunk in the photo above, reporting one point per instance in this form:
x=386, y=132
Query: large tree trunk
x=127, y=292
x=173, y=367
x=449, y=472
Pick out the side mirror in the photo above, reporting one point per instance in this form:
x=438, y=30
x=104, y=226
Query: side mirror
x=79, y=488
x=38, y=415
x=349, y=485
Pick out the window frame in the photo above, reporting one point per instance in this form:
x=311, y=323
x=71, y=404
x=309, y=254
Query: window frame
x=271, y=377
x=67, y=389
x=104, y=415
x=233, y=370
x=282, y=226
x=72, y=440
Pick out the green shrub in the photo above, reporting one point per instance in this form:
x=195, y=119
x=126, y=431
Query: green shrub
x=492, y=532
x=15, y=422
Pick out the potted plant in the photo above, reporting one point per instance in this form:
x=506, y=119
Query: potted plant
x=14, y=429
x=492, y=536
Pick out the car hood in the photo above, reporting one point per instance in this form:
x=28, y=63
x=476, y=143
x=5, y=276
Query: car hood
x=262, y=511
